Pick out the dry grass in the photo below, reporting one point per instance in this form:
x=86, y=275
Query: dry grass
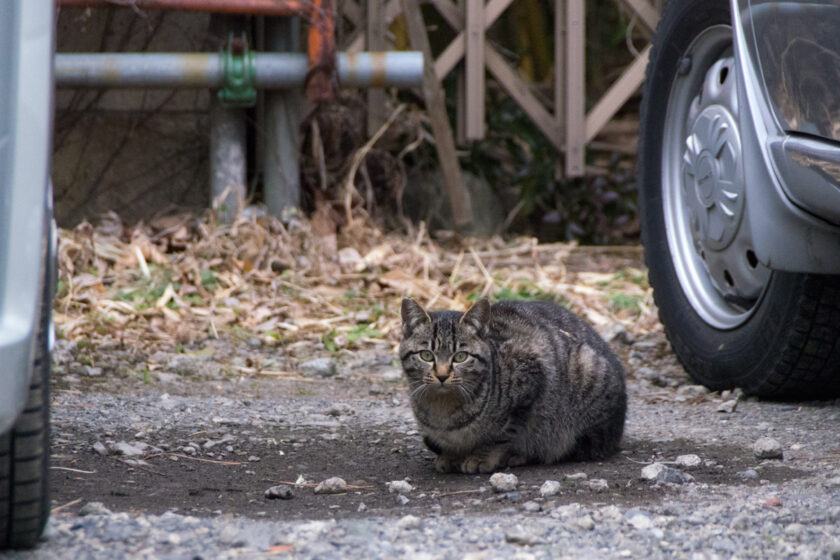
x=183, y=279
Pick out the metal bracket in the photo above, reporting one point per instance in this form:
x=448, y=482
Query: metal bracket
x=239, y=74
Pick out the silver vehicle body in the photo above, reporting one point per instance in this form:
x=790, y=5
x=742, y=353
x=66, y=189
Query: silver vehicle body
x=26, y=92
x=789, y=56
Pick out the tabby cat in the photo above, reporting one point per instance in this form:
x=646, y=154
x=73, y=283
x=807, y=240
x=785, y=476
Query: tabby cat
x=509, y=384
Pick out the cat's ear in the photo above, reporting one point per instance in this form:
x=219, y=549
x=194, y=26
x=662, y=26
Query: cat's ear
x=478, y=317
x=412, y=316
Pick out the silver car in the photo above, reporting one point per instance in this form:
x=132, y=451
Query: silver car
x=739, y=189
x=27, y=270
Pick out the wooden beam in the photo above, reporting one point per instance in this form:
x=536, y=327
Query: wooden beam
x=521, y=93
x=617, y=95
x=375, y=40
x=559, y=78
x=352, y=11
x=474, y=129
x=575, y=88
x=454, y=52
x=459, y=196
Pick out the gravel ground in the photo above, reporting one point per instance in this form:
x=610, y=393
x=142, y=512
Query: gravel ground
x=173, y=461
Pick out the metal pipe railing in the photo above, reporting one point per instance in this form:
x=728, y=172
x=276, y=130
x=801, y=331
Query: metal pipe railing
x=205, y=70
x=256, y=7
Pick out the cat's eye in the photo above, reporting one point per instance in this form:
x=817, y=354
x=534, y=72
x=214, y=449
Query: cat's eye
x=427, y=356
x=459, y=357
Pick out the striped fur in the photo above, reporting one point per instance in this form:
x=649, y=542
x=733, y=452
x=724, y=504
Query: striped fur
x=510, y=384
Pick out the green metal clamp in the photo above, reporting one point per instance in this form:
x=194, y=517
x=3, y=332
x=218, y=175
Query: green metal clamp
x=239, y=74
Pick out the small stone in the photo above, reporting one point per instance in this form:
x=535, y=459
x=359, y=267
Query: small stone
x=174, y=539
x=576, y=476
x=350, y=259
x=94, y=508
x=254, y=342
x=833, y=482
x=688, y=461
x=504, y=482
x=100, y=449
x=531, y=507
x=392, y=375
x=362, y=316
x=773, y=501
x=401, y=499
x=598, y=485
x=279, y=492
x=794, y=529
x=128, y=449
x=584, y=522
x=652, y=471
x=767, y=448
x=518, y=535
x=399, y=487
x=550, y=488
x=691, y=392
x=651, y=375
x=409, y=522
x=660, y=474
x=740, y=523
x=253, y=458
x=615, y=332
x=319, y=367
x=640, y=521
x=334, y=485
x=727, y=407
x=749, y=474
x=362, y=507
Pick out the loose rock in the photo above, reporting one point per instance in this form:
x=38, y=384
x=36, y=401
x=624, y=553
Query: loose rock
x=727, y=407
x=531, y=507
x=100, y=449
x=518, y=535
x=279, y=492
x=399, y=487
x=688, y=461
x=319, y=367
x=334, y=485
x=504, y=482
x=767, y=448
x=660, y=474
x=550, y=488
x=584, y=522
x=94, y=508
x=598, y=484
x=409, y=522
x=576, y=476
x=128, y=449
x=748, y=474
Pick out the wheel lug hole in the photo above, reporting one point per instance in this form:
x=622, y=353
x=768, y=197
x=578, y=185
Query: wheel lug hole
x=752, y=259
x=728, y=278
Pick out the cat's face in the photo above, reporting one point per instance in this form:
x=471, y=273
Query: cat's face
x=444, y=354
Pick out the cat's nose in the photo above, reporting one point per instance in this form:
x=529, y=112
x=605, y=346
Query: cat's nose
x=442, y=376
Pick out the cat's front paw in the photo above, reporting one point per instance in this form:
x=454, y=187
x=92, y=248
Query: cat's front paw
x=481, y=464
x=444, y=464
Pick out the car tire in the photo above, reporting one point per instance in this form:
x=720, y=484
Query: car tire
x=783, y=342
x=24, y=450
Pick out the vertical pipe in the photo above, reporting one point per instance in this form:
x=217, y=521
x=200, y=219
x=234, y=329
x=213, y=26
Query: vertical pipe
x=228, y=142
x=281, y=174
x=228, y=159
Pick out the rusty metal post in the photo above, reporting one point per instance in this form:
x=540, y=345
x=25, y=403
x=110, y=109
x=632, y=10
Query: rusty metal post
x=281, y=171
x=321, y=46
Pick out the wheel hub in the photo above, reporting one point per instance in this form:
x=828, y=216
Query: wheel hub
x=713, y=191
x=703, y=186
